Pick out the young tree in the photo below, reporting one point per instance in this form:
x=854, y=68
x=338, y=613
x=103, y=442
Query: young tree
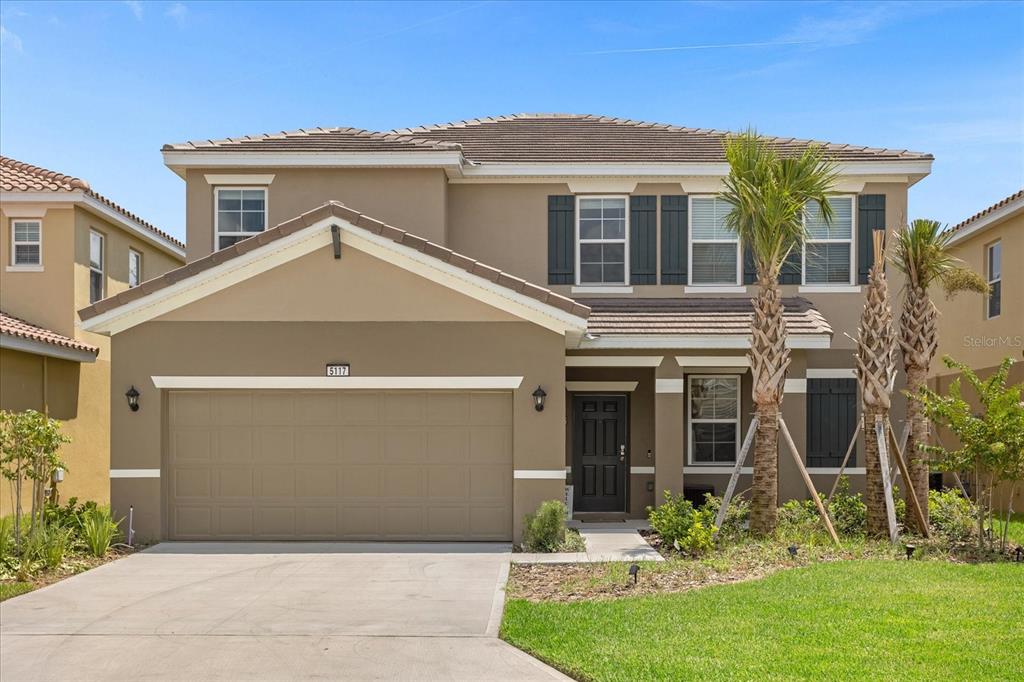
x=769, y=196
x=991, y=441
x=29, y=454
x=922, y=253
x=876, y=367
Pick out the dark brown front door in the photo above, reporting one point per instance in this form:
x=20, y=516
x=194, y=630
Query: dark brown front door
x=599, y=452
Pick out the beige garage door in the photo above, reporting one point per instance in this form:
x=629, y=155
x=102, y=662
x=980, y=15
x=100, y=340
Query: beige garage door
x=339, y=465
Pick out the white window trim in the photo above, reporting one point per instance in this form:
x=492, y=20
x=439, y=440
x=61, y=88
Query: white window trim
x=137, y=254
x=102, y=270
x=710, y=287
x=690, y=422
x=988, y=277
x=600, y=286
x=26, y=267
x=216, y=212
x=852, y=241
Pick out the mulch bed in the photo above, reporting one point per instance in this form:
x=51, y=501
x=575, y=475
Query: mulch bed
x=73, y=565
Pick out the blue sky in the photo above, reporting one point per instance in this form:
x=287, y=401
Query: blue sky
x=94, y=89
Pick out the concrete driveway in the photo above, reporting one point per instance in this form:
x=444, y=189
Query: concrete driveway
x=272, y=611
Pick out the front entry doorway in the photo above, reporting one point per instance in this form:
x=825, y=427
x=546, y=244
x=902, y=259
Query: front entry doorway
x=599, y=452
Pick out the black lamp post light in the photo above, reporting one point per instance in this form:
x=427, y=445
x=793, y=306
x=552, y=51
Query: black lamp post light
x=133, y=398
x=793, y=549
x=538, y=399
x=910, y=551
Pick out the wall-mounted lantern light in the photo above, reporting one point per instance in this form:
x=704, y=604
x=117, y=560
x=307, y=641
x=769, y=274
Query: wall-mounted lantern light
x=133, y=398
x=538, y=399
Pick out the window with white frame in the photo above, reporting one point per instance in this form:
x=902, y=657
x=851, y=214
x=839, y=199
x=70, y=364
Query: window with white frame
x=828, y=251
x=97, y=259
x=994, y=275
x=601, y=240
x=714, y=419
x=241, y=212
x=134, y=268
x=26, y=243
x=714, y=247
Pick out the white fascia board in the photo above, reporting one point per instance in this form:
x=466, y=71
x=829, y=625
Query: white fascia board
x=318, y=236
x=708, y=341
x=377, y=383
x=613, y=360
x=20, y=343
x=176, y=159
x=713, y=360
x=988, y=220
x=592, y=386
x=239, y=179
x=671, y=170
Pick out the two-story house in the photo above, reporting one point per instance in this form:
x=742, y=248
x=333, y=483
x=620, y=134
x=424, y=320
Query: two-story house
x=65, y=246
x=424, y=333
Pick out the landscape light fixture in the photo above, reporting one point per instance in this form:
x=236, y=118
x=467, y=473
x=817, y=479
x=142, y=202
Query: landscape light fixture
x=538, y=399
x=1019, y=554
x=910, y=551
x=634, y=570
x=793, y=550
x=133, y=398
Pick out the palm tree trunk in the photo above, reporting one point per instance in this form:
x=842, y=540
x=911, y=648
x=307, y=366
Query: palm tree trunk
x=874, y=491
x=918, y=341
x=769, y=360
x=918, y=459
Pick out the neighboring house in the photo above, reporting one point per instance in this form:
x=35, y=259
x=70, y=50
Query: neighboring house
x=459, y=272
x=63, y=247
x=981, y=331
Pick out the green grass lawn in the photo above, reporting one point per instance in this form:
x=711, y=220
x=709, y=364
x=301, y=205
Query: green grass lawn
x=1016, y=533
x=8, y=590
x=843, y=620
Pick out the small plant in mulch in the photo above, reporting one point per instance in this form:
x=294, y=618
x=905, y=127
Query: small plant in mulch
x=545, y=530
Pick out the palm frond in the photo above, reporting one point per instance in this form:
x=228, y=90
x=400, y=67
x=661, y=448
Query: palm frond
x=922, y=252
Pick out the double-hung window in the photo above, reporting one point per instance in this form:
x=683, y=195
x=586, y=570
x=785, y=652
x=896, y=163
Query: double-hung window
x=134, y=268
x=241, y=212
x=828, y=250
x=714, y=419
x=26, y=243
x=714, y=247
x=602, y=250
x=994, y=275
x=97, y=259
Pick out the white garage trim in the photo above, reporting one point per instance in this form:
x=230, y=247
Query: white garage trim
x=373, y=383
x=547, y=474
x=627, y=386
x=135, y=473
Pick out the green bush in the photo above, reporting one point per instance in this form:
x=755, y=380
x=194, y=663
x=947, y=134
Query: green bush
x=6, y=537
x=737, y=516
x=848, y=512
x=544, y=531
x=55, y=544
x=951, y=514
x=68, y=516
x=98, y=530
x=681, y=526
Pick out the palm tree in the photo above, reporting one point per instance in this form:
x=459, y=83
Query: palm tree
x=923, y=255
x=876, y=366
x=769, y=196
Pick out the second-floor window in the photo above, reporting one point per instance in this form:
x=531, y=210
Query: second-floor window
x=601, y=243
x=828, y=251
x=96, y=266
x=994, y=275
x=714, y=248
x=26, y=243
x=134, y=268
x=241, y=212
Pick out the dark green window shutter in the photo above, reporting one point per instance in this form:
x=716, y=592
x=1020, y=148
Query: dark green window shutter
x=643, y=240
x=561, y=239
x=674, y=235
x=831, y=421
x=870, y=216
x=749, y=269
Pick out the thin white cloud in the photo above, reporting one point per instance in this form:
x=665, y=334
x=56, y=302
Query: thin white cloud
x=136, y=7
x=855, y=23
x=418, y=24
x=178, y=12
x=10, y=40
x=710, y=46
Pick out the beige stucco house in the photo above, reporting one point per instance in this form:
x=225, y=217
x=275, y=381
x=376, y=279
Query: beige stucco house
x=63, y=247
x=424, y=333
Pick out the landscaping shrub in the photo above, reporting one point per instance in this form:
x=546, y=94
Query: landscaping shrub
x=55, y=544
x=848, y=512
x=98, y=530
x=737, y=517
x=951, y=514
x=68, y=516
x=6, y=538
x=680, y=525
x=544, y=531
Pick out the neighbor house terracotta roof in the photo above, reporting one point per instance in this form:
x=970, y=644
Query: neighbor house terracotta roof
x=13, y=326
x=18, y=176
x=338, y=210
x=686, y=316
x=538, y=138
x=994, y=207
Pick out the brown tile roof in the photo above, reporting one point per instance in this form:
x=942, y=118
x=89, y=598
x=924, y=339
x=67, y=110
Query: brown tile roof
x=984, y=212
x=317, y=140
x=338, y=210
x=12, y=326
x=18, y=176
x=537, y=138
x=685, y=316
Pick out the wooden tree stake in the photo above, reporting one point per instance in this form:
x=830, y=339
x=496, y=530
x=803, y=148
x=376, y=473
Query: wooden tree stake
x=846, y=459
x=883, y=461
x=905, y=472
x=740, y=459
x=807, y=479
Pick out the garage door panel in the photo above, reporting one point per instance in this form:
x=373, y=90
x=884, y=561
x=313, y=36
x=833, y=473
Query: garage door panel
x=323, y=465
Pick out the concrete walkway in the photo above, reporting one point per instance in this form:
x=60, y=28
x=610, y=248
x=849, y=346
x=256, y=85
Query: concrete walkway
x=268, y=611
x=605, y=542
